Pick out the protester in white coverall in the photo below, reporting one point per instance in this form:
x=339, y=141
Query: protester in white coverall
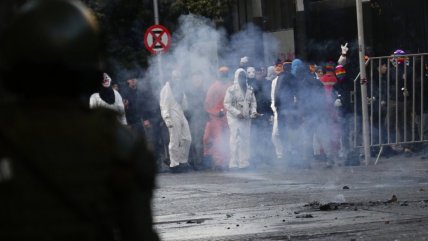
x=275, y=131
x=241, y=106
x=173, y=115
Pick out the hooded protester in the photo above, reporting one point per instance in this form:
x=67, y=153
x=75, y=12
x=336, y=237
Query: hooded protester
x=400, y=94
x=261, y=126
x=240, y=104
x=271, y=74
x=309, y=102
x=216, y=130
x=329, y=131
x=197, y=118
x=278, y=96
x=171, y=106
x=109, y=98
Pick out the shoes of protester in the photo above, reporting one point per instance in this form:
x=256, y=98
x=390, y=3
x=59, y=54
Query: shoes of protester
x=181, y=168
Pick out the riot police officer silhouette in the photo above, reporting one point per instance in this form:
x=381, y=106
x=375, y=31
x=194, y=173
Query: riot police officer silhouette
x=66, y=172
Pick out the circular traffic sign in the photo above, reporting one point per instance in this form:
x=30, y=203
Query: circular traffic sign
x=157, y=39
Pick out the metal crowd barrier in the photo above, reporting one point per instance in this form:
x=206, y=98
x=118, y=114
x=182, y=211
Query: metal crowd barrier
x=396, y=86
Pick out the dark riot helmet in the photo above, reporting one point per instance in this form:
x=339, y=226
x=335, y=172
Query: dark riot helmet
x=51, y=48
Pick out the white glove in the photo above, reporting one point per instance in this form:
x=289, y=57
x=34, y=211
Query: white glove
x=255, y=115
x=371, y=100
x=338, y=103
x=344, y=48
x=405, y=92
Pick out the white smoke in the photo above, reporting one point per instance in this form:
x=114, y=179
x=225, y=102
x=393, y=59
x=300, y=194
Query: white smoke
x=198, y=46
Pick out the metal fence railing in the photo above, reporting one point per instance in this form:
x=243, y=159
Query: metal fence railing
x=397, y=91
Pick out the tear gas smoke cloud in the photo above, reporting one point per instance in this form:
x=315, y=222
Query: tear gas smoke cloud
x=198, y=47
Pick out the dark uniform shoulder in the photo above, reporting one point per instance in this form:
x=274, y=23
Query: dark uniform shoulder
x=75, y=173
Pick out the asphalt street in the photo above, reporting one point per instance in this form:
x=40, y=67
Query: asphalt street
x=387, y=201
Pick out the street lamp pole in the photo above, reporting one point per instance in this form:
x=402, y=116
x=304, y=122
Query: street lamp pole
x=363, y=81
x=158, y=57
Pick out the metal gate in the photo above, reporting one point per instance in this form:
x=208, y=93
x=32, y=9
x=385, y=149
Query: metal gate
x=397, y=91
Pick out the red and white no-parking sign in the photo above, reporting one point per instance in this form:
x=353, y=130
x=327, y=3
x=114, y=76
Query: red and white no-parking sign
x=157, y=39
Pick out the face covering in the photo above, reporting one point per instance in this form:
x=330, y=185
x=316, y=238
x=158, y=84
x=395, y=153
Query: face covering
x=106, y=92
x=251, y=72
x=106, y=80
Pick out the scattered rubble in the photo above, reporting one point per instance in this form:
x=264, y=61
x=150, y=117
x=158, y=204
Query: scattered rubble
x=393, y=199
x=308, y=215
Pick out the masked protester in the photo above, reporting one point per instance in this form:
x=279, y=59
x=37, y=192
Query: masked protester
x=107, y=97
x=216, y=134
x=197, y=118
x=72, y=173
x=328, y=132
x=240, y=104
x=309, y=101
x=261, y=127
x=283, y=103
x=172, y=102
x=400, y=87
x=251, y=77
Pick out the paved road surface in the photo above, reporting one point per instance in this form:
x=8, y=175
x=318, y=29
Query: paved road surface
x=285, y=204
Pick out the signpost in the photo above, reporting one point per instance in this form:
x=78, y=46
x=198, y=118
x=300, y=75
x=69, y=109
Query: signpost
x=363, y=82
x=157, y=39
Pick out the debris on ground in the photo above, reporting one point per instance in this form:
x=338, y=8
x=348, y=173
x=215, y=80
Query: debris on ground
x=404, y=204
x=329, y=206
x=198, y=221
x=305, y=216
x=345, y=188
x=393, y=199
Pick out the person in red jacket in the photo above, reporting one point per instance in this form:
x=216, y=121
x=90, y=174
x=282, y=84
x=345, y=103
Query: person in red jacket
x=216, y=136
x=330, y=141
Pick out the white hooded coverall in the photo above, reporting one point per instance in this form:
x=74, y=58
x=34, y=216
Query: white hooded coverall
x=178, y=127
x=236, y=102
x=275, y=131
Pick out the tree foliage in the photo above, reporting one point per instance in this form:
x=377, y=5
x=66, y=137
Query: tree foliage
x=213, y=9
x=123, y=23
